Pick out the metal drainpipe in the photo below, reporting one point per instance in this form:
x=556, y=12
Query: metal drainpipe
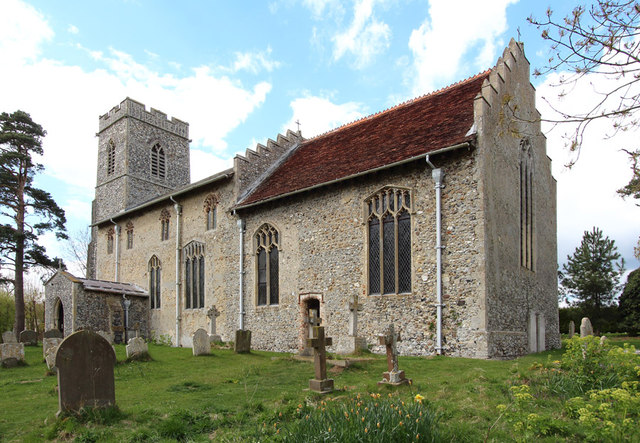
x=117, y=270
x=437, y=174
x=178, y=209
x=241, y=226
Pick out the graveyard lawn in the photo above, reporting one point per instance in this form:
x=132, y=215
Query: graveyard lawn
x=251, y=397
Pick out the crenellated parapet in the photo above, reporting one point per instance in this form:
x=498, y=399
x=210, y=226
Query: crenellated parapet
x=251, y=167
x=131, y=108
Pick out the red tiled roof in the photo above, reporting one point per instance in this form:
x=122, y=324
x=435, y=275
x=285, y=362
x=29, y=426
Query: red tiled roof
x=417, y=127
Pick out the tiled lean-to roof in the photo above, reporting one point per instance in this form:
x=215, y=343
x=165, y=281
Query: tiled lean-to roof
x=438, y=120
x=105, y=286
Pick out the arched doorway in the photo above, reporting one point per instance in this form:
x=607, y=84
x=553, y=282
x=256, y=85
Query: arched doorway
x=59, y=316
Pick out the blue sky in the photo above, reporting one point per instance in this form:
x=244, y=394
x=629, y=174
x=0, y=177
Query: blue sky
x=240, y=72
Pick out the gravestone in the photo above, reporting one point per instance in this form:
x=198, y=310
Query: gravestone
x=603, y=339
x=29, y=338
x=85, y=362
x=53, y=333
x=356, y=344
x=320, y=383
x=108, y=336
x=213, y=313
x=201, y=345
x=50, y=353
x=137, y=349
x=11, y=354
x=585, y=327
x=9, y=337
x=242, y=344
x=393, y=376
x=48, y=343
x=572, y=329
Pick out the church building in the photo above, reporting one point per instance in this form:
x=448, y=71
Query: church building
x=437, y=215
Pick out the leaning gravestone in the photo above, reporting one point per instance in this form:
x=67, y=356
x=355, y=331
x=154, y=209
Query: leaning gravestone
x=242, y=344
x=85, y=362
x=572, y=329
x=585, y=327
x=9, y=337
x=53, y=333
x=393, y=376
x=29, y=338
x=201, y=345
x=11, y=354
x=49, y=349
x=137, y=349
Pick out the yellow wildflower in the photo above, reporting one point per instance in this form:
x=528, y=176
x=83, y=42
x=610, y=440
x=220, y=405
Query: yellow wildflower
x=378, y=425
x=366, y=430
x=419, y=398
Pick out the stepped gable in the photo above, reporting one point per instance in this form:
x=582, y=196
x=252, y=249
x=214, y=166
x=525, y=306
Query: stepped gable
x=428, y=123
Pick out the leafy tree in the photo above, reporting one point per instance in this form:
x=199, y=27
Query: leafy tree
x=592, y=274
x=629, y=303
x=26, y=211
x=599, y=42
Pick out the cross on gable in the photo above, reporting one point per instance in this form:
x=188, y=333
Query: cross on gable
x=213, y=312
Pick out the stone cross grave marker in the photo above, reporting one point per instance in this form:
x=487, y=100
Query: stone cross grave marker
x=11, y=354
x=85, y=362
x=9, y=337
x=201, y=345
x=29, y=338
x=137, y=349
x=213, y=313
x=242, y=345
x=393, y=376
x=354, y=308
x=585, y=327
x=320, y=383
x=572, y=329
x=53, y=333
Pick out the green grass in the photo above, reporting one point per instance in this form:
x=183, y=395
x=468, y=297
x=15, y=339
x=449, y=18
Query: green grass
x=232, y=397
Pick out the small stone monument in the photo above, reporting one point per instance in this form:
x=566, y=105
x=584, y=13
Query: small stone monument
x=29, y=338
x=393, y=376
x=585, y=327
x=201, y=345
x=603, y=339
x=53, y=333
x=9, y=337
x=137, y=349
x=48, y=343
x=312, y=321
x=356, y=343
x=242, y=344
x=85, y=362
x=213, y=313
x=572, y=329
x=11, y=354
x=320, y=383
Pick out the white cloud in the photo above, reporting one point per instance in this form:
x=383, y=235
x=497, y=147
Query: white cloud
x=365, y=38
x=205, y=164
x=447, y=37
x=22, y=31
x=324, y=8
x=254, y=62
x=319, y=114
x=72, y=29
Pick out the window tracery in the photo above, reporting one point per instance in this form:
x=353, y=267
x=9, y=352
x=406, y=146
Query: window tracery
x=267, y=244
x=110, y=235
x=194, y=277
x=158, y=167
x=165, y=216
x=210, y=209
x=129, y=235
x=155, y=281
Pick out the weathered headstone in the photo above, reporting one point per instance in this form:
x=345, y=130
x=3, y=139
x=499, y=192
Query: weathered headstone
x=85, y=362
x=320, y=383
x=572, y=329
x=53, y=333
x=242, y=344
x=48, y=343
x=585, y=327
x=603, y=339
x=201, y=345
x=137, y=349
x=213, y=313
x=393, y=376
x=50, y=354
x=29, y=338
x=9, y=337
x=11, y=354
x=356, y=344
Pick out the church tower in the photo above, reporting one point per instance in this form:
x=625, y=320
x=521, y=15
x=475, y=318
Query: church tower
x=141, y=155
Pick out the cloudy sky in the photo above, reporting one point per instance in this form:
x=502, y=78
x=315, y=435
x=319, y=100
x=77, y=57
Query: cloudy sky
x=239, y=73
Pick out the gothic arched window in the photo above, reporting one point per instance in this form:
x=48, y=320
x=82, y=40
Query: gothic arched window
x=155, y=281
x=111, y=157
x=267, y=244
x=389, y=241
x=158, y=168
x=129, y=235
x=110, y=235
x=526, y=205
x=194, y=275
x=164, y=224
x=210, y=210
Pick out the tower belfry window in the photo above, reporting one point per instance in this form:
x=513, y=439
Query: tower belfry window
x=111, y=157
x=158, y=166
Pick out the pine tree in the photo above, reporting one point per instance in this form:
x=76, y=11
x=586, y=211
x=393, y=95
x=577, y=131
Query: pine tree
x=25, y=211
x=629, y=303
x=592, y=274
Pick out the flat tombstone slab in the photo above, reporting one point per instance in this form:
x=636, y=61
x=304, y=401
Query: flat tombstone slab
x=585, y=327
x=48, y=343
x=242, y=344
x=201, y=345
x=137, y=349
x=29, y=338
x=9, y=337
x=85, y=362
x=11, y=354
x=53, y=333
